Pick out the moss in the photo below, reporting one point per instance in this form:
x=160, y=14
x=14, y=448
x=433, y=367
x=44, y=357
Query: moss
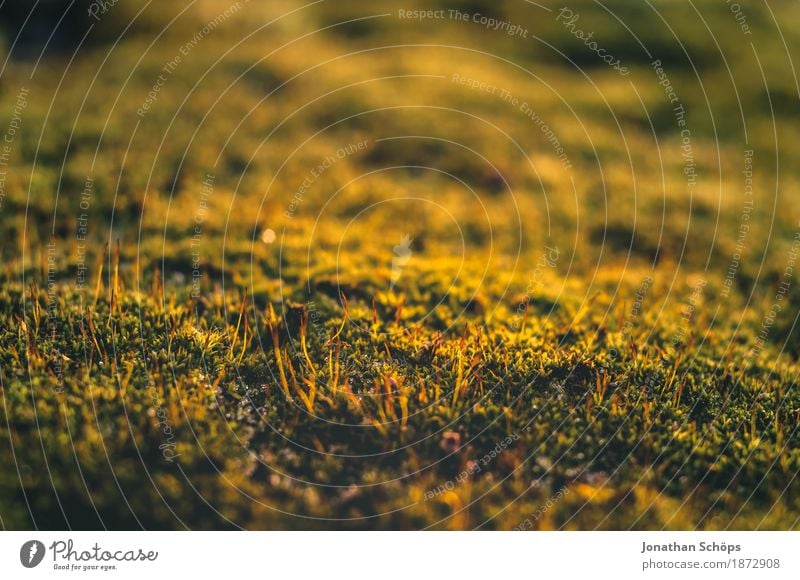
x=412, y=351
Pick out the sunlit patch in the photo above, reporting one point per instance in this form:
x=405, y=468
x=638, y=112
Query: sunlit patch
x=268, y=236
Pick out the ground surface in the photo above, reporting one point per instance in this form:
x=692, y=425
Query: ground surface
x=343, y=268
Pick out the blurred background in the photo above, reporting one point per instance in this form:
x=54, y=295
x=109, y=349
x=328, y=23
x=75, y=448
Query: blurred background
x=596, y=163
x=289, y=149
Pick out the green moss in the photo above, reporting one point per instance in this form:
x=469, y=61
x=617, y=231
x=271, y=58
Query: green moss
x=325, y=379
